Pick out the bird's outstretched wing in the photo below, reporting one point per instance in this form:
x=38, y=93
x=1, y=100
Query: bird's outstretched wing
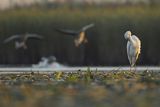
x=14, y=37
x=87, y=27
x=68, y=32
x=33, y=36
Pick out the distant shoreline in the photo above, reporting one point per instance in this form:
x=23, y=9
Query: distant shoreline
x=7, y=4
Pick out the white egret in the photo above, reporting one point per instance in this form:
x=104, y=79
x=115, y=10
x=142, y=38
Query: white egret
x=133, y=47
x=20, y=40
x=80, y=35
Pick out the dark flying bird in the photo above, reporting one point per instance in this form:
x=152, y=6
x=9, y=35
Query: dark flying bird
x=80, y=36
x=20, y=40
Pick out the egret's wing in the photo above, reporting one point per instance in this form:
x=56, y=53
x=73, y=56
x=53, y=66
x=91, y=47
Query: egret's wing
x=34, y=36
x=139, y=48
x=87, y=27
x=14, y=37
x=138, y=45
x=68, y=32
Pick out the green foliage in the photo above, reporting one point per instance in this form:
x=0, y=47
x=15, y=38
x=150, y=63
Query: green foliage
x=106, y=46
x=81, y=88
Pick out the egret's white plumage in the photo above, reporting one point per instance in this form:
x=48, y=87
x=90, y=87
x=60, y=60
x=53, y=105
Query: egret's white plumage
x=133, y=47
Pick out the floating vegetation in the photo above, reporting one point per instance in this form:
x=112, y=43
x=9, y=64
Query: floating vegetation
x=81, y=89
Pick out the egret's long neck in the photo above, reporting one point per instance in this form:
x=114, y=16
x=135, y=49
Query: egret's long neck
x=131, y=40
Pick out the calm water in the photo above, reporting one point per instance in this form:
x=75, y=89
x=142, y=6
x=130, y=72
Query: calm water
x=73, y=69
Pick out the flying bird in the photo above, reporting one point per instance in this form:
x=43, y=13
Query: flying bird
x=133, y=47
x=20, y=40
x=80, y=36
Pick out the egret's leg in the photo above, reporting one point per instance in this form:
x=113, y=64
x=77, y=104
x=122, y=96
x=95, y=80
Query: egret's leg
x=135, y=67
x=130, y=68
x=131, y=64
x=134, y=61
